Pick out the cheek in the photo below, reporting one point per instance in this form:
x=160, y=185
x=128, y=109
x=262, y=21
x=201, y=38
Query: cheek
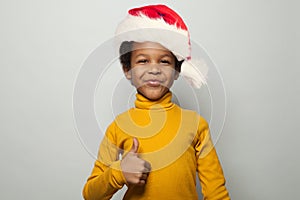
x=176, y=75
x=171, y=74
x=138, y=72
x=136, y=76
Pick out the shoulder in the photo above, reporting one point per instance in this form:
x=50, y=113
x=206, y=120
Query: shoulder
x=123, y=117
x=118, y=126
x=119, y=119
x=195, y=119
x=202, y=122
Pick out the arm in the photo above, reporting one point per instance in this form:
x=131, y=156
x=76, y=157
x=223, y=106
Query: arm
x=210, y=172
x=107, y=177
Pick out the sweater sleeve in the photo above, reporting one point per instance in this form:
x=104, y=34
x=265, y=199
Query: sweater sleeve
x=106, y=177
x=209, y=169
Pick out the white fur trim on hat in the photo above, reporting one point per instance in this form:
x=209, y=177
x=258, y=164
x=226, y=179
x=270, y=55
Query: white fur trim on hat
x=194, y=72
x=142, y=28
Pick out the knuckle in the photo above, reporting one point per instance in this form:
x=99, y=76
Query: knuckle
x=136, y=181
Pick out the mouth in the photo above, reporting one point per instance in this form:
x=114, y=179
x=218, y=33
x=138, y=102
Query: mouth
x=153, y=82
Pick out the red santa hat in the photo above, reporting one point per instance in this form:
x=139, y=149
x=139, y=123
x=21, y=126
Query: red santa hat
x=159, y=23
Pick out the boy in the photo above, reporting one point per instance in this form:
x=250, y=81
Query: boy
x=157, y=147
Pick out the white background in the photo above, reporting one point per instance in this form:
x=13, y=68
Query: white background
x=255, y=45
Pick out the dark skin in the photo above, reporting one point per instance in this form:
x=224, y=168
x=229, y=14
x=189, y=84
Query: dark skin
x=127, y=58
x=126, y=52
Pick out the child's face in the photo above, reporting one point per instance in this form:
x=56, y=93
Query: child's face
x=152, y=69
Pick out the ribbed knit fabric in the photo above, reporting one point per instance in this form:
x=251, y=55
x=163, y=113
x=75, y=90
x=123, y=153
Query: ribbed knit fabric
x=177, y=144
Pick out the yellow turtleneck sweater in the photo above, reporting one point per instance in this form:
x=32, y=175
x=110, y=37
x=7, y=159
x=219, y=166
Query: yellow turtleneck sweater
x=177, y=144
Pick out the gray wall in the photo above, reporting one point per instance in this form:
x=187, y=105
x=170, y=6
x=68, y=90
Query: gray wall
x=254, y=44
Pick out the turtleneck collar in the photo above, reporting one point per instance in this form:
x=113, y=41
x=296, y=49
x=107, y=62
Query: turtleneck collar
x=165, y=102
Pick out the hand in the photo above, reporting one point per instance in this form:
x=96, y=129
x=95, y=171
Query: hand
x=135, y=169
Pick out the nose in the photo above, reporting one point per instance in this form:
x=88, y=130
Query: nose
x=154, y=69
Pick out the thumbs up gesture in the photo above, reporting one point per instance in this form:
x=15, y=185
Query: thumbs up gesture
x=135, y=169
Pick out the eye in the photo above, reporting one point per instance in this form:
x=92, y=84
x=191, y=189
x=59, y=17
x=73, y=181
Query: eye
x=165, y=61
x=142, y=61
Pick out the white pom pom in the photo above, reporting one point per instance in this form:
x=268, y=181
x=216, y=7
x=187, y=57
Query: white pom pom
x=194, y=72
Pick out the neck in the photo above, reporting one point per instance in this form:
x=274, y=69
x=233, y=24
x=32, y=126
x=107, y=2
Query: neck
x=164, y=102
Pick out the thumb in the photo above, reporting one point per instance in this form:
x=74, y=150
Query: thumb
x=135, y=145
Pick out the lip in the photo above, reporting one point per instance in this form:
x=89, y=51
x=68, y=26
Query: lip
x=153, y=82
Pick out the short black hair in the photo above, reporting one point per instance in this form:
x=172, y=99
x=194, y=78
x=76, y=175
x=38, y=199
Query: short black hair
x=125, y=56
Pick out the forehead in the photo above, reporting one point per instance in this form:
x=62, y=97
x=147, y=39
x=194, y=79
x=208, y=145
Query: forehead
x=150, y=48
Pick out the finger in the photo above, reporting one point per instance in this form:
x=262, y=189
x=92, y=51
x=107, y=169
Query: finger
x=144, y=176
x=143, y=179
x=135, y=146
x=142, y=182
x=147, y=166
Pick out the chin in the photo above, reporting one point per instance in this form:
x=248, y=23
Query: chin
x=153, y=94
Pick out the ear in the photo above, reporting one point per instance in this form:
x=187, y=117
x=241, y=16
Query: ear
x=127, y=72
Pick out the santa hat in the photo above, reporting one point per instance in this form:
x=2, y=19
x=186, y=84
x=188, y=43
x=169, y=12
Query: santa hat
x=159, y=23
